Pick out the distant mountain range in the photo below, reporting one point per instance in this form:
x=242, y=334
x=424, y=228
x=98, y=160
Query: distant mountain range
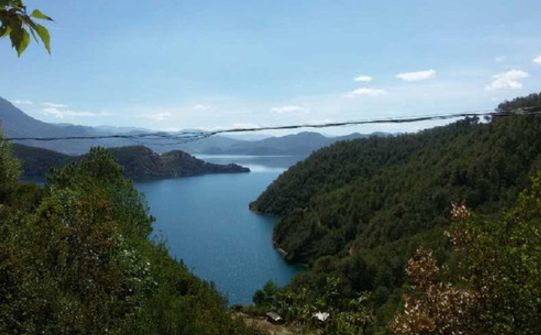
x=299, y=144
x=138, y=162
x=15, y=123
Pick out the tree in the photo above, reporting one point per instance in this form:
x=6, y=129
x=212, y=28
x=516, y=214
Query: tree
x=498, y=289
x=19, y=25
x=437, y=306
x=76, y=258
x=10, y=168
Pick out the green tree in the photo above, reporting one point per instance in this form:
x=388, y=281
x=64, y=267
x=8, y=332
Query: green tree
x=10, y=168
x=498, y=289
x=266, y=296
x=76, y=258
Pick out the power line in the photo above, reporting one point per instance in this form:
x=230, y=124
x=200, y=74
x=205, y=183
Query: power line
x=190, y=136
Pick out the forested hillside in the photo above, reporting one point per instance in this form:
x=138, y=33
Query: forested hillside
x=136, y=161
x=38, y=161
x=141, y=162
x=76, y=258
x=358, y=210
x=379, y=190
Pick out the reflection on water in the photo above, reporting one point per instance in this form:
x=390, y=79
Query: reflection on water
x=256, y=163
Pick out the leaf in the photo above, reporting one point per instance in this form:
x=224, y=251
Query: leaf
x=39, y=15
x=8, y=4
x=4, y=31
x=24, y=43
x=33, y=28
x=16, y=36
x=45, y=37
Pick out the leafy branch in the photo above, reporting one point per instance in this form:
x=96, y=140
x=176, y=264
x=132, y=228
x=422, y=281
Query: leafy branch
x=19, y=25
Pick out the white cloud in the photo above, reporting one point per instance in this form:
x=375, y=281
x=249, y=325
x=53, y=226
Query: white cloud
x=233, y=126
x=61, y=114
x=201, y=107
x=507, y=80
x=289, y=110
x=53, y=105
x=366, y=91
x=363, y=78
x=156, y=116
x=537, y=60
x=23, y=102
x=245, y=125
x=417, y=76
x=499, y=59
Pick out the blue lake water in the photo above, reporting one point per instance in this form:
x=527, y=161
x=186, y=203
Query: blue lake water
x=207, y=223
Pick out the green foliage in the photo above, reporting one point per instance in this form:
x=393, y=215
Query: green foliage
x=343, y=316
x=371, y=192
x=17, y=24
x=266, y=296
x=501, y=260
x=141, y=162
x=37, y=161
x=137, y=162
x=10, y=168
x=498, y=287
x=365, y=206
x=76, y=258
x=532, y=100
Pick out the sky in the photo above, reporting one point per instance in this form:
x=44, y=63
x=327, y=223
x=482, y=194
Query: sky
x=209, y=64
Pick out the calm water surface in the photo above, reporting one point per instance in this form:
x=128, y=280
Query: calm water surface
x=206, y=222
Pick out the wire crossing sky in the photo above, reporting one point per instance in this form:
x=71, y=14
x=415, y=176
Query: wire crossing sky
x=191, y=136
x=242, y=64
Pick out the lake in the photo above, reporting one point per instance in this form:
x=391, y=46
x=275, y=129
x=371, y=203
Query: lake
x=206, y=222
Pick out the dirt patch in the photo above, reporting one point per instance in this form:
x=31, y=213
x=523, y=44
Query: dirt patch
x=263, y=324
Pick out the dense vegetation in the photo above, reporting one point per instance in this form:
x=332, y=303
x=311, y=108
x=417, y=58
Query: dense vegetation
x=495, y=288
x=357, y=211
x=137, y=162
x=498, y=286
x=38, y=161
x=141, y=162
x=76, y=258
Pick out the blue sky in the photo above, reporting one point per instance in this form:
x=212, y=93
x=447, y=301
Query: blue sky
x=209, y=64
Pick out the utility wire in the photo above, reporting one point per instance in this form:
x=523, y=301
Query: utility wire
x=190, y=136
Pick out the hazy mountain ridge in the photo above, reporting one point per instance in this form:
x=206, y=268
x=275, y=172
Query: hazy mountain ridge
x=15, y=123
x=301, y=144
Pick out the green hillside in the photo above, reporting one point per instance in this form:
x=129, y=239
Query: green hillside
x=38, y=161
x=76, y=257
x=370, y=192
x=137, y=162
x=358, y=210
